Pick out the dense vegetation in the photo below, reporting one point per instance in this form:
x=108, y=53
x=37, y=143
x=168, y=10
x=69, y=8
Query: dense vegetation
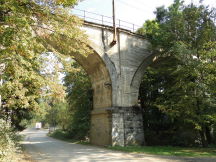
x=178, y=92
x=71, y=117
x=79, y=97
x=26, y=30
x=8, y=143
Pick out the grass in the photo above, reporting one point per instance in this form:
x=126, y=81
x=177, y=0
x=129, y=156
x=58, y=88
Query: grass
x=154, y=150
x=64, y=136
x=168, y=150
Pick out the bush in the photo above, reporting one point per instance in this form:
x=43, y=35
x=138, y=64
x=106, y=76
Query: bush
x=8, y=143
x=80, y=103
x=60, y=134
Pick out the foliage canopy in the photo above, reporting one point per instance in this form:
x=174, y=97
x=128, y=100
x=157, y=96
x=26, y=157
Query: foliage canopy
x=28, y=29
x=182, y=81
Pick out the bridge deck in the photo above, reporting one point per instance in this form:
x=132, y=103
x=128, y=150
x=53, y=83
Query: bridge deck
x=109, y=27
x=105, y=20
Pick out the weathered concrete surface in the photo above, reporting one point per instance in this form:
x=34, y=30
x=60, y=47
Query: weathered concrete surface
x=45, y=149
x=101, y=128
x=125, y=62
x=127, y=126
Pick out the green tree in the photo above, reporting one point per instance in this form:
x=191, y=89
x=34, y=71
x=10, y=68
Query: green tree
x=8, y=143
x=79, y=97
x=26, y=29
x=63, y=116
x=186, y=34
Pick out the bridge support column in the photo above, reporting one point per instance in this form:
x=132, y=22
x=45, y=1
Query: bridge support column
x=101, y=127
x=120, y=126
x=127, y=126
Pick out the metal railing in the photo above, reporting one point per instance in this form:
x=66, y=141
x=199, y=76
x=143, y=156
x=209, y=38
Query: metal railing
x=105, y=20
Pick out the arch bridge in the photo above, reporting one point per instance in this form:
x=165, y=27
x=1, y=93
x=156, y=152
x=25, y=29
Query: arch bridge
x=115, y=68
x=116, y=71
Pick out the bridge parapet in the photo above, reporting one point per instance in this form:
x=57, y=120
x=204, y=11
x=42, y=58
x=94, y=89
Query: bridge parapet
x=105, y=20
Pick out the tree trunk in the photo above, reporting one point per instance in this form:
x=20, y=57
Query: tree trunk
x=208, y=135
x=63, y=127
x=203, y=138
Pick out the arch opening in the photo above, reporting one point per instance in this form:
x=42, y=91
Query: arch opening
x=101, y=127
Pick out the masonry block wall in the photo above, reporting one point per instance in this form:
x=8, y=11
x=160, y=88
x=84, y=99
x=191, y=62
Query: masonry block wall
x=127, y=126
x=118, y=122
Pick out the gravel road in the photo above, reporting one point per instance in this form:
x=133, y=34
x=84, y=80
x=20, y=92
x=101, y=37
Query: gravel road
x=41, y=148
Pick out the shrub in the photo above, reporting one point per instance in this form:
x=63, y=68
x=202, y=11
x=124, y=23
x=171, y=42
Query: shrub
x=8, y=143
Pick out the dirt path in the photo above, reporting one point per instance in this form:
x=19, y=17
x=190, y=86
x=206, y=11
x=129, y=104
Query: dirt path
x=45, y=149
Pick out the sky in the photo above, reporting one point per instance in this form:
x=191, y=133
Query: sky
x=135, y=12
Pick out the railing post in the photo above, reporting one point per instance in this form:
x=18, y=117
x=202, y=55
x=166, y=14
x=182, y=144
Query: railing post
x=102, y=20
x=119, y=23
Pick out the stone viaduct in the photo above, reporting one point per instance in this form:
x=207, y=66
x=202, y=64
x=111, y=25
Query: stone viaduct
x=116, y=72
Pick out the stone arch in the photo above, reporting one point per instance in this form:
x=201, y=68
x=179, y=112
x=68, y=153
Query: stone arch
x=96, y=69
x=99, y=41
x=93, y=64
x=111, y=69
x=100, y=79
x=137, y=78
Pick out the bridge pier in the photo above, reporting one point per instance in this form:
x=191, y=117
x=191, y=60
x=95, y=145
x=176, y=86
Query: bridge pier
x=120, y=126
x=101, y=127
x=127, y=126
x=124, y=65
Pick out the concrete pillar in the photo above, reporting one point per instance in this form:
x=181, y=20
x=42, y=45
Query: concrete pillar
x=101, y=127
x=127, y=126
x=120, y=126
